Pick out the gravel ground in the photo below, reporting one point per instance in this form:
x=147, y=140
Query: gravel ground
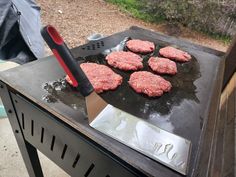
x=77, y=19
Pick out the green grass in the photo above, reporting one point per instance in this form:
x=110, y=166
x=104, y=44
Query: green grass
x=135, y=8
x=225, y=39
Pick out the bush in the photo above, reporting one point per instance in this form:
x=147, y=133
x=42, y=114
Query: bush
x=214, y=17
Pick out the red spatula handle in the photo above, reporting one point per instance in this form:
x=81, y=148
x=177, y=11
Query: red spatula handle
x=66, y=60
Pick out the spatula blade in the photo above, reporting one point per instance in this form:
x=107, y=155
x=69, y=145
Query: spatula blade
x=95, y=104
x=158, y=144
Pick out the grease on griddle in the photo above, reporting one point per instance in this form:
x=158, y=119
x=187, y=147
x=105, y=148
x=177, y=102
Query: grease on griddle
x=49, y=98
x=61, y=91
x=128, y=100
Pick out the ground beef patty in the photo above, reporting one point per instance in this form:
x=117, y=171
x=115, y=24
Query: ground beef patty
x=125, y=60
x=140, y=46
x=101, y=77
x=175, y=54
x=162, y=65
x=149, y=84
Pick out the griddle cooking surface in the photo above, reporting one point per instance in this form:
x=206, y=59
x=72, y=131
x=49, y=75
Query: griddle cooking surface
x=159, y=110
x=125, y=98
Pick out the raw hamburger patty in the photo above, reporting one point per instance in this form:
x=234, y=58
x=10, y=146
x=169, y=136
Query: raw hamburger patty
x=175, y=54
x=162, y=65
x=140, y=46
x=125, y=60
x=149, y=84
x=101, y=77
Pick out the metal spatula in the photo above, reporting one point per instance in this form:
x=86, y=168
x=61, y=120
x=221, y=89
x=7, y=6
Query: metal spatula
x=158, y=144
x=94, y=103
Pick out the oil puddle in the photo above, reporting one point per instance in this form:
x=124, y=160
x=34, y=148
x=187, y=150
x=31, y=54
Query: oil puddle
x=125, y=98
x=60, y=91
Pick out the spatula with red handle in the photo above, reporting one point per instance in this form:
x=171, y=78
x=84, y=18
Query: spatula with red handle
x=126, y=128
x=95, y=104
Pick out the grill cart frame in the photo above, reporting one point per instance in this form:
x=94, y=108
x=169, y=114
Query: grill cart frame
x=65, y=137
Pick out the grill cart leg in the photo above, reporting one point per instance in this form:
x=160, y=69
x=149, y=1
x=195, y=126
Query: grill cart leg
x=28, y=152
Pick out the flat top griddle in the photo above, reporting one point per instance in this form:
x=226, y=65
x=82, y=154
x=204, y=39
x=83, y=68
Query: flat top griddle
x=187, y=110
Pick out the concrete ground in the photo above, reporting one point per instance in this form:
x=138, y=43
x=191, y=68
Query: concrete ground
x=11, y=162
